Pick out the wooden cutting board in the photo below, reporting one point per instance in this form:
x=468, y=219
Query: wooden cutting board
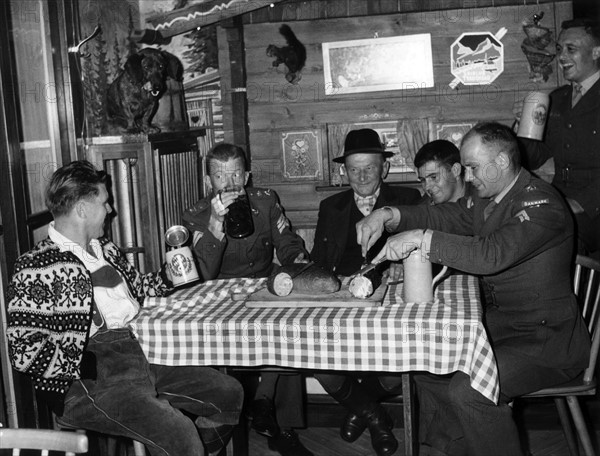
x=342, y=298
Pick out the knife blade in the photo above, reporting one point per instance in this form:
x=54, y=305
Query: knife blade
x=369, y=267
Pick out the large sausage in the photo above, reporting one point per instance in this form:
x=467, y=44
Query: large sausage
x=313, y=280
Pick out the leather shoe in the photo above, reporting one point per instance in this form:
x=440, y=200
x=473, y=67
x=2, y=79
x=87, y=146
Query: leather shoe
x=353, y=426
x=287, y=443
x=380, y=427
x=262, y=413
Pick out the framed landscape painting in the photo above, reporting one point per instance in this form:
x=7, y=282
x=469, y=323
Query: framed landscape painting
x=369, y=65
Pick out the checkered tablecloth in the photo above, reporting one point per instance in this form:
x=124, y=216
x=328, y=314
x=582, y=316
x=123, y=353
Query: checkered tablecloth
x=202, y=325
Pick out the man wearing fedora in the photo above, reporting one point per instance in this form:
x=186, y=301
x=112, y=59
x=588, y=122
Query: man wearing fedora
x=335, y=249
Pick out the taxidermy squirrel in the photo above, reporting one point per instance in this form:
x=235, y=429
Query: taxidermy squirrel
x=293, y=55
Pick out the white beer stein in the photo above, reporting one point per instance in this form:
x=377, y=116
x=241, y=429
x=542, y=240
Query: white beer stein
x=418, y=282
x=180, y=260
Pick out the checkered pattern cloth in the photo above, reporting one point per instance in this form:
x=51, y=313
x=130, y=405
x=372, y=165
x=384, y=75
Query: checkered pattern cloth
x=202, y=325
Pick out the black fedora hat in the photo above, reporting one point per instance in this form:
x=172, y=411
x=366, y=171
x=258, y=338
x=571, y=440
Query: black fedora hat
x=363, y=141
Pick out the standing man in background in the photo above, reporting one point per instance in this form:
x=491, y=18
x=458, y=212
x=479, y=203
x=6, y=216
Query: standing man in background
x=573, y=130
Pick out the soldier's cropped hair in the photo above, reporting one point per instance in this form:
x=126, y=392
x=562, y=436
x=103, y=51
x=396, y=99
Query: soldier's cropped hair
x=439, y=150
x=72, y=183
x=500, y=136
x=224, y=152
x=591, y=26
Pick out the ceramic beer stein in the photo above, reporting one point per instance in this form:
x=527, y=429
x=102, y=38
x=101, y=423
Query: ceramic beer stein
x=418, y=281
x=180, y=260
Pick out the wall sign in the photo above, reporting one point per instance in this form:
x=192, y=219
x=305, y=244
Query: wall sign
x=477, y=58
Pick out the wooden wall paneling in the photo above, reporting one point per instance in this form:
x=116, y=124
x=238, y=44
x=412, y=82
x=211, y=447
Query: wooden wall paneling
x=275, y=106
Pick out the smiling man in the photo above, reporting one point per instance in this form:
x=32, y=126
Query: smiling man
x=440, y=172
x=573, y=129
x=516, y=234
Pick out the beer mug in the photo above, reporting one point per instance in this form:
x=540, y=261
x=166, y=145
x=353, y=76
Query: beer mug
x=534, y=115
x=418, y=282
x=238, y=220
x=180, y=260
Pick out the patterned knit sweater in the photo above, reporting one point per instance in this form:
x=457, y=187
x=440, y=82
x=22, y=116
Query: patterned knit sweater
x=50, y=311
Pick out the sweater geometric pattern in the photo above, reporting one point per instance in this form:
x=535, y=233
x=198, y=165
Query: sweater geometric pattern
x=50, y=302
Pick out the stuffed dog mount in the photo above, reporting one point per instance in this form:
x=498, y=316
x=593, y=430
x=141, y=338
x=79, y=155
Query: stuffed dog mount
x=133, y=97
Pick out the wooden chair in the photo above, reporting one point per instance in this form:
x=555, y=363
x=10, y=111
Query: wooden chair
x=70, y=443
x=586, y=280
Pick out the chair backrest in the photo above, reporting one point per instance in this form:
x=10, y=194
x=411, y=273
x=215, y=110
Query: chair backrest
x=586, y=286
x=70, y=443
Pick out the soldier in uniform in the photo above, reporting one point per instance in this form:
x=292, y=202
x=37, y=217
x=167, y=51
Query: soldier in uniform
x=277, y=407
x=573, y=130
x=517, y=235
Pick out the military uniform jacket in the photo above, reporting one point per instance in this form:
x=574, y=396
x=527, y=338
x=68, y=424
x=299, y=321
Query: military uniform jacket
x=523, y=255
x=573, y=139
x=251, y=256
x=333, y=223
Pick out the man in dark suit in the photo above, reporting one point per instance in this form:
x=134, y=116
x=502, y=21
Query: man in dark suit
x=573, y=130
x=517, y=235
x=335, y=249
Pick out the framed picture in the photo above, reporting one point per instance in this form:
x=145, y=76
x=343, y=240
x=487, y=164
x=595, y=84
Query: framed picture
x=301, y=155
x=388, y=132
x=395, y=63
x=452, y=132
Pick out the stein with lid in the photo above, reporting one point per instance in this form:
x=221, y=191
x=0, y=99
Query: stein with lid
x=180, y=259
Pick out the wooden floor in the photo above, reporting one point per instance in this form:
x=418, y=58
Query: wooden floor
x=539, y=420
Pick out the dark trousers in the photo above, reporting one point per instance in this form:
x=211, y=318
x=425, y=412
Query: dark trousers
x=360, y=392
x=151, y=403
x=457, y=420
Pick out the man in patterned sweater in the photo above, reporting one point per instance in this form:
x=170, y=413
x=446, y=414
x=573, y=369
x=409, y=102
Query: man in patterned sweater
x=70, y=301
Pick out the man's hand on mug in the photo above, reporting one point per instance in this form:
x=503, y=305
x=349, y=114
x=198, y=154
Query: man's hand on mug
x=220, y=202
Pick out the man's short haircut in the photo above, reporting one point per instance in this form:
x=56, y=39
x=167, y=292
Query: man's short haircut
x=71, y=183
x=501, y=136
x=439, y=150
x=591, y=26
x=224, y=152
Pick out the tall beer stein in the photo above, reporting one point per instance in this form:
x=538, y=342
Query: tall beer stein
x=418, y=282
x=180, y=259
x=238, y=220
x=534, y=115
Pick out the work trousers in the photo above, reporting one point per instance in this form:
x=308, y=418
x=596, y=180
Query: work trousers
x=171, y=410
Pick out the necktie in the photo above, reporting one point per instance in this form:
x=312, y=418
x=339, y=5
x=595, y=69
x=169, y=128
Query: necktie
x=489, y=209
x=576, y=94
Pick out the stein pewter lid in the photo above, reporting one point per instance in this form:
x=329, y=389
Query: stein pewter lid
x=177, y=235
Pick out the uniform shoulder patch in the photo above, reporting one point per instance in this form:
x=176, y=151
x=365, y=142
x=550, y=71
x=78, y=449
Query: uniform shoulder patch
x=535, y=202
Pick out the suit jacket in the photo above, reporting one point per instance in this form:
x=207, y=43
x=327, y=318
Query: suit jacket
x=573, y=139
x=251, y=256
x=523, y=255
x=333, y=224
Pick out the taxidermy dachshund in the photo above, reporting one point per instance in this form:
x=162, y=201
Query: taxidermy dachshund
x=133, y=95
x=293, y=55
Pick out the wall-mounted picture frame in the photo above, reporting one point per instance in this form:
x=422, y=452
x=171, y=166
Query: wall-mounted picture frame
x=452, y=132
x=301, y=155
x=376, y=64
x=400, y=163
